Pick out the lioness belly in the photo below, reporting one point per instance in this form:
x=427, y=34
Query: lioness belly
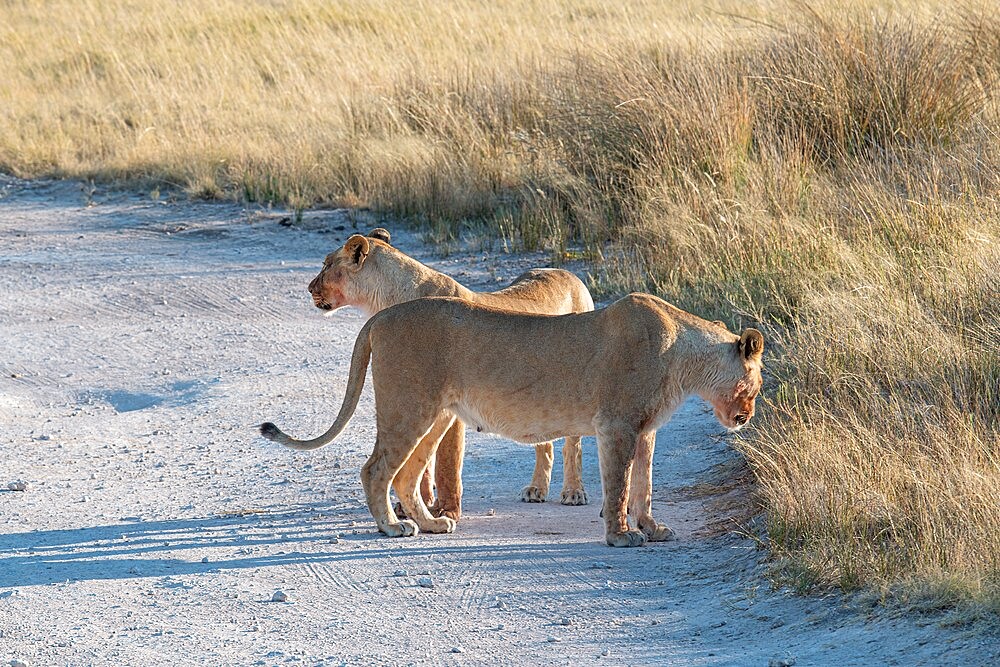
x=527, y=422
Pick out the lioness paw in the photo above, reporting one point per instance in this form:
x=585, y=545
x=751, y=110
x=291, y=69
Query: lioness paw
x=441, y=525
x=573, y=497
x=658, y=533
x=405, y=528
x=628, y=538
x=453, y=513
x=533, y=494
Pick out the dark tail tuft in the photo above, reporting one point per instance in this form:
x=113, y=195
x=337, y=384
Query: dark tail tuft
x=269, y=430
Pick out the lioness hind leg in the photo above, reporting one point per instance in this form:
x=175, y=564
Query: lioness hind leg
x=407, y=482
x=448, y=472
x=640, y=500
x=426, y=488
x=376, y=476
x=427, y=483
x=616, y=449
x=539, y=487
x=400, y=426
x=572, y=490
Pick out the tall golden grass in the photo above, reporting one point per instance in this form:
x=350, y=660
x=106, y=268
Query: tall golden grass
x=831, y=179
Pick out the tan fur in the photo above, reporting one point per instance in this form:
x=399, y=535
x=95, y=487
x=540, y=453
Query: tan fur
x=368, y=273
x=618, y=372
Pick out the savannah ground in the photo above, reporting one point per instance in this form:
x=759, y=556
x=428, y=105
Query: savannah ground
x=827, y=176
x=145, y=340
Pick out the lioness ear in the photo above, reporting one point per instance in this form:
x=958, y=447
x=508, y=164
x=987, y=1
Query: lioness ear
x=357, y=248
x=380, y=233
x=751, y=344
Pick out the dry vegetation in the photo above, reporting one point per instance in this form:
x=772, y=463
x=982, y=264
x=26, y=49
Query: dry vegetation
x=831, y=179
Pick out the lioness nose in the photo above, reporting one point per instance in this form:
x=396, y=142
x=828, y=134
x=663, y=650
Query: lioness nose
x=741, y=418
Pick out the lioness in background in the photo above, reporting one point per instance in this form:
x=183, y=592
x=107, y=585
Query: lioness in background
x=619, y=373
x=369, y=274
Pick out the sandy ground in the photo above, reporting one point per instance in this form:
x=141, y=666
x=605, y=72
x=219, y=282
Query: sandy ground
x=143, y=340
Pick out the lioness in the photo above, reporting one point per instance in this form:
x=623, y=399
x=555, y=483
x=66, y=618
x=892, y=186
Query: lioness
x=369, y=274
x=618, y=372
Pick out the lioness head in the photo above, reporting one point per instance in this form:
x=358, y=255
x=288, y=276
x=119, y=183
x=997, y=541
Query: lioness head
x=337, y=284
x=734, y=402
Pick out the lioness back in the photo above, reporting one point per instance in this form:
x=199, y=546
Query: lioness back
x=542, y=291
x=489, y=365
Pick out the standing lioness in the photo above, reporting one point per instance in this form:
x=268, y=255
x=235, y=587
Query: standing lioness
x=368, y=273
x=618, y=372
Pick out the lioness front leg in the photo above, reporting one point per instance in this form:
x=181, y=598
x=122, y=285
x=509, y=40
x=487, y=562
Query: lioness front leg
x=640, y=499
x=448, y=472
x=407, y=481
x=572, y=490
x=616, y=449
x=539, y=487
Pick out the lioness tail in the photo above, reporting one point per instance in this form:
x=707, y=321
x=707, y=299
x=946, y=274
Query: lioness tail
x=355, y=382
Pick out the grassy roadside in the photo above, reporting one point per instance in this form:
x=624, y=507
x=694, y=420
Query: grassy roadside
x=830, y=179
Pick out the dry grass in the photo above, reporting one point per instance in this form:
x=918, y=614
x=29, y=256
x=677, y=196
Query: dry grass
x=831, y=180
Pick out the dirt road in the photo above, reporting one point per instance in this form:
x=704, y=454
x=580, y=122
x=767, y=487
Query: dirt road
x=142, y=341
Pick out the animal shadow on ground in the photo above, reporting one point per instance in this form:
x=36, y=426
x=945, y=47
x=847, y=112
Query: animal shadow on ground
x=256, y=538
